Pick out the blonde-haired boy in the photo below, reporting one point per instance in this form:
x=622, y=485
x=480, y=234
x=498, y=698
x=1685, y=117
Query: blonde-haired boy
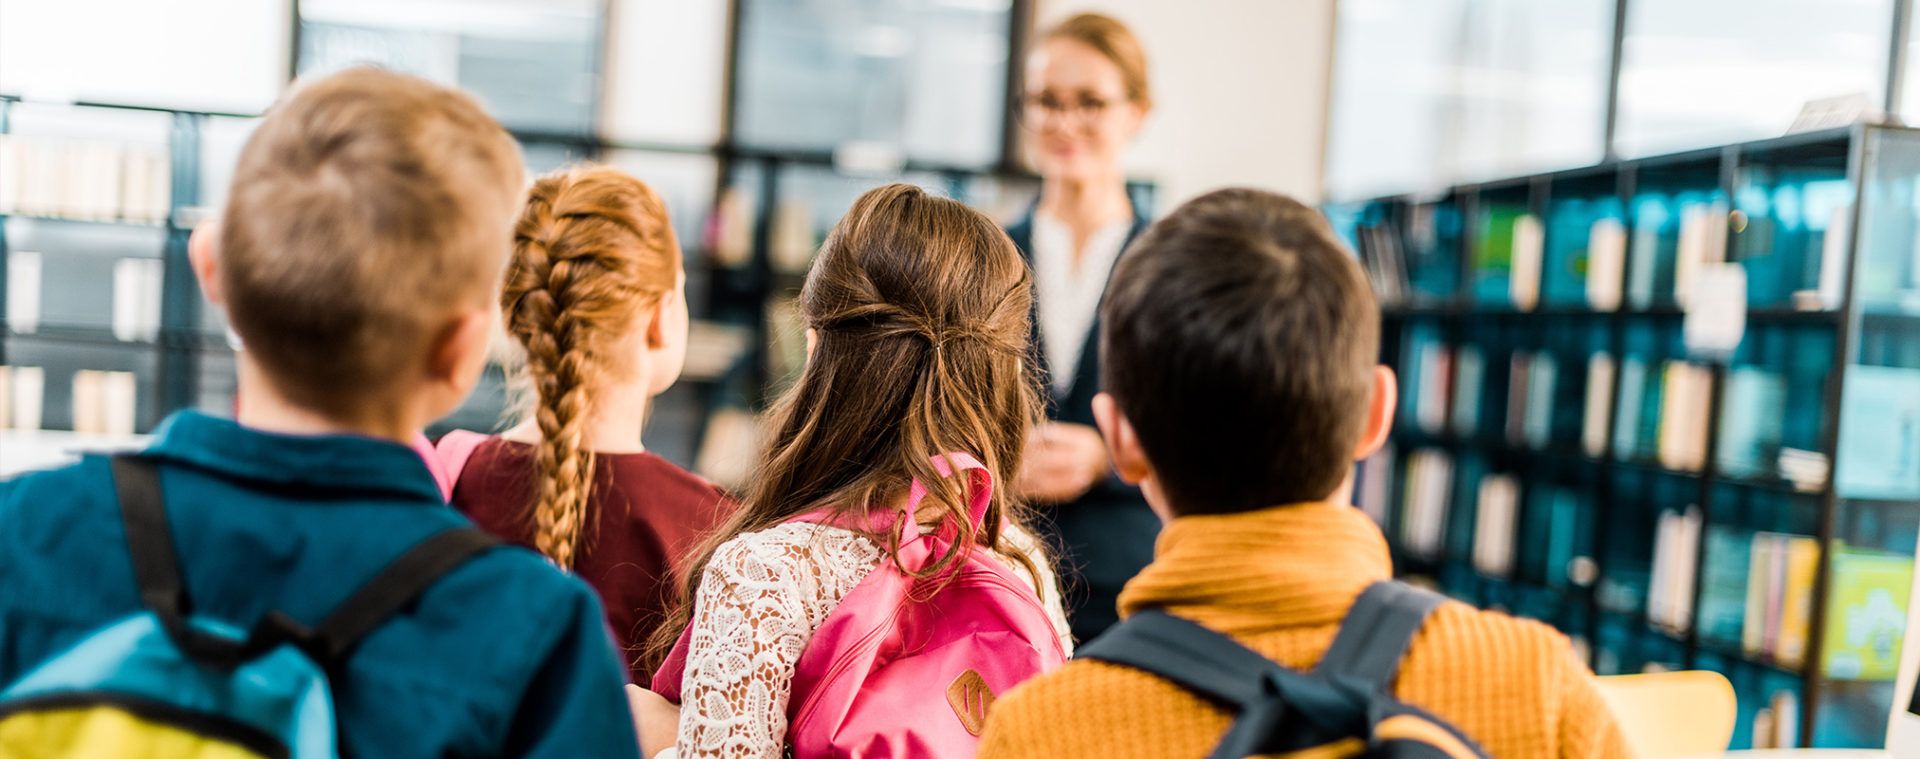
x=358, y=258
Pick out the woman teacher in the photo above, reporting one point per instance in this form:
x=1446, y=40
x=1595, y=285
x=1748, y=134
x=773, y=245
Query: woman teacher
x=1085, y=97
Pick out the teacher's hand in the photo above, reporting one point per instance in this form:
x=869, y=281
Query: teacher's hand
x=657, y=720
x=1062, y=462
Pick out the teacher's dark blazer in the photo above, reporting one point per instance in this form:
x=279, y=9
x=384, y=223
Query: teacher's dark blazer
x=1105, y=537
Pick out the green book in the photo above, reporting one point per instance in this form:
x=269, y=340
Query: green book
x=1867, y=615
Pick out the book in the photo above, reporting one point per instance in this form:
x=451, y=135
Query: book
x=1493, y=254
x=787, y=341
x=1627, y=419
x=6, y=397
x=1670, y=590
x=24, y=270
x=1606, y=263
x=1760, y=592
x=1685, y=394
x=1833, y=258
x=1429, y=481
x=1643, y=253
x=1529, y=246
x=1879, y=450
x=1433, y=362
x=1562, y=536
x=1469, y=385
x=1723, y=585
x=1519, y=377
x=1376, y=477
x=136, y=298
x=1866, y=614
x=1796, y=601
x=1499, y=498
x=27, y=390
x=1752, y=405
x=1593, y=423
x=1537, y=430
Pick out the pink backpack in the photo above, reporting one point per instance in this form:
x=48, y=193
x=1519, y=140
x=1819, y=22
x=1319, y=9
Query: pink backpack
x=893, y=674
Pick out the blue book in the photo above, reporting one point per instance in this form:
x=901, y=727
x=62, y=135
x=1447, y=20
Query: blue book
x=1723, y=585
x=1633, y=391
x=1879, y=454
x=1752, y=407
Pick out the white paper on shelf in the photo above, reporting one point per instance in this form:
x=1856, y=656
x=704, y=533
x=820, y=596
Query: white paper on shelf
x=1703, y=241
x=24, y=272
x=136, y=298
x=29, y=391
x=1529, y=246
x=1717, y=315
x=1606, y=262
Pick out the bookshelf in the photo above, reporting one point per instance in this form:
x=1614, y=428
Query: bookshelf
x=1671, y=406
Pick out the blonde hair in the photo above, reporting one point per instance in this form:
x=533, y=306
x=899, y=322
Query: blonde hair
x=592, y=251
x=367, y=207
x=1117, y=43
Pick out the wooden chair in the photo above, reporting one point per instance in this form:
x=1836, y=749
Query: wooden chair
x=1673, y=714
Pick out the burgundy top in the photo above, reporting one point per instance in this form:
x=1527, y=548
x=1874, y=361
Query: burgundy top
x=646, y=514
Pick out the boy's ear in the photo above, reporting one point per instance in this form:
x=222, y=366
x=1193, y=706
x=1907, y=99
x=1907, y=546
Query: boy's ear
x=1123, y=446
x=203, y=255
x=1379, y=425
x=460, y=349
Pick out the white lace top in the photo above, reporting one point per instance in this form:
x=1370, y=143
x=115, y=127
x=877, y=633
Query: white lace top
x=761, y=597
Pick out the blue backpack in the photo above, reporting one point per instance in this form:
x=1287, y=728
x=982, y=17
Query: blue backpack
x=1342, y=709
x=165, y=684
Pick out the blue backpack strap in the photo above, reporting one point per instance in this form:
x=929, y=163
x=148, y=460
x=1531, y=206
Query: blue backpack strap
x=1206, y=663
x=1377, y=632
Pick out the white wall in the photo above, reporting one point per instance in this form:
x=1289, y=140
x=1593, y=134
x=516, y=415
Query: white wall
x=1240, y=90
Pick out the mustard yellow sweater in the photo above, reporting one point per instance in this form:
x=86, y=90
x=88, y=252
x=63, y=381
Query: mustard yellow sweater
x=1280, y=581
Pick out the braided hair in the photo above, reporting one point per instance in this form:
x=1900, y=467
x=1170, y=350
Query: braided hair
x=592, y=252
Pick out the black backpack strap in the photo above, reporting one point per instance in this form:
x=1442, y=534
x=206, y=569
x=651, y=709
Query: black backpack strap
x=393, y=589
x=1377, y=632
x=150, y=539
x=156, y=567
x=1206, y=663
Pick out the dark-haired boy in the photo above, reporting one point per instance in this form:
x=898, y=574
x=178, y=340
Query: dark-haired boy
x=1239, y=345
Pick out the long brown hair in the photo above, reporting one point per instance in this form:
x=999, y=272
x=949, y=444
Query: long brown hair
x=921, y=310
x=592, y=252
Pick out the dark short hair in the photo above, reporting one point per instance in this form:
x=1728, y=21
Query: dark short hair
x=1239, y=338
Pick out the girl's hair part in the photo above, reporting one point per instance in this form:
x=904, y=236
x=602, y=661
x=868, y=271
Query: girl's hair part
x=592, y=252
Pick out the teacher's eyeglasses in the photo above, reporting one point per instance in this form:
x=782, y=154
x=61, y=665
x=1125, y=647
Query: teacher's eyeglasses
x=1036, y=109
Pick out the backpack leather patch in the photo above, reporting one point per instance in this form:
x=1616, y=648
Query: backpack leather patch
x=970, y=696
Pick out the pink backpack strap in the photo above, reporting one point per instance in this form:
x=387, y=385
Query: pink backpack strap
x=452, y=452
x=979, y=491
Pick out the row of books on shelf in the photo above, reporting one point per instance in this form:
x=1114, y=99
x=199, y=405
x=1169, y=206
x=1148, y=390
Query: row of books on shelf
x=1757, y=588
x=136, y=295
x=1511, y=265
x=84, y=179
x=103, y=402
x=1662, y=410
x=1496, y=509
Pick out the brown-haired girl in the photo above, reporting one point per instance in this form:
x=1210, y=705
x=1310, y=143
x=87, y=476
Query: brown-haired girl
x=917, y=319
x=595, y=295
